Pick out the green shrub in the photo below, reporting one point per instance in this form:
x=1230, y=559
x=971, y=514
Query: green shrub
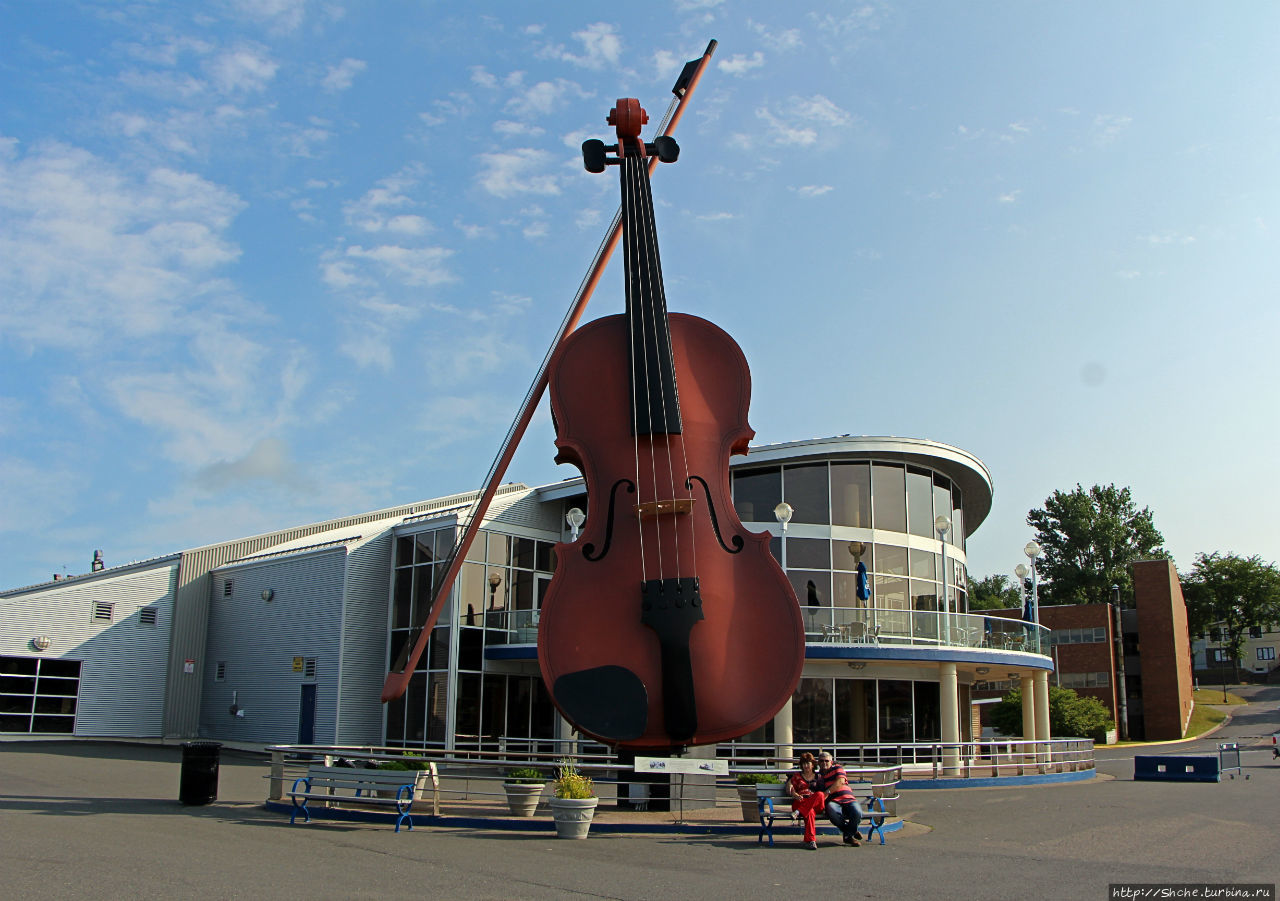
x=1070, y=716
x=572, y=784
x=757, y=778
x=525, y=775
x=410, y=761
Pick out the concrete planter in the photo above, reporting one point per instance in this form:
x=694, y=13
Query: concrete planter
x=523, y=797
x=573, y=816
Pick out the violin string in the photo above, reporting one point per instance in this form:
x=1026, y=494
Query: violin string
x=662, y=341
x=636, y=309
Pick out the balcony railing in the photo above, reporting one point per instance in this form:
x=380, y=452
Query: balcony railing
x=852, y=626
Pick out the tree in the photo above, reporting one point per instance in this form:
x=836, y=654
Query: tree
x=1233, y=593
x=993, y=593
x=1089, y=538
x=1069, y=715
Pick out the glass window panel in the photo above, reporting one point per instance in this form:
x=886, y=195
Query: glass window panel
x=53, y=724
x=518, y=697
x=889, y=494
x=522, y=590
x=467, y=710
x=17, y=685
x=58, y=686
x=404, y=551
x=444, y=542
x=851, y=494
x=847, y=554
x=924, y=564
x=891, y=560
x=855, y=711
x=402, y=599
x=811, y=713
x=477, y=550
x=470, y=649
x=395, y=717
x=425, y=542
x=756, y=492
x=957, y=517
x=775, y=547
x=495, y=583
x=415, y=707
x=891, y=593
x=942, y=499
x=499, y=549
x=437, y=706
x=805, y=489
x=473, y=590
x=546, y=562
x=542, y=716
x=16, y=703
x=844, y=590
x=423, y=577
x=9, y=723
x=924, y=595
x=920, y=503
x=928, y=715
x=895, y=710
x=523, y=552
x=808, y=553
x=19, y=666
x=439, y=656
x=493, y=713
x=69, y=668
x=813, y=588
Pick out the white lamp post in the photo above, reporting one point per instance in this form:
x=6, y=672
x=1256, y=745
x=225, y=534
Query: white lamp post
x=1033, y=550
x=943, y=525
x=575, y=518
x=783, y=513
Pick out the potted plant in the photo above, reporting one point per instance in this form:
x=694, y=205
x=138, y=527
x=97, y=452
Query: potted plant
x=411, y=762
x=750, y=792
x=523, y=786
x=574, y=804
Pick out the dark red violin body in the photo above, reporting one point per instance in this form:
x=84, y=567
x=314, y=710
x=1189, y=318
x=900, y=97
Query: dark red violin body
x=667, y=623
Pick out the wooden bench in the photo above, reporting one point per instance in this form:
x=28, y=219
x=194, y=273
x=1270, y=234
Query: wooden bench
x=779, y=808
x=355, y=787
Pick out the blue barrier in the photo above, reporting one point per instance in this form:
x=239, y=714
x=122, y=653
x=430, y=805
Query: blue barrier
x=1176, y=769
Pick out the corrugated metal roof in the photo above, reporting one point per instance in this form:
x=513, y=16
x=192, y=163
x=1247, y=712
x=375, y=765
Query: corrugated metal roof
x=83, y=577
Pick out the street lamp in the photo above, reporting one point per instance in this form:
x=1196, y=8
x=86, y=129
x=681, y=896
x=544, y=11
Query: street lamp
x=1033, y=550
x=943, y=525
x=575, y=517
x=783, y=513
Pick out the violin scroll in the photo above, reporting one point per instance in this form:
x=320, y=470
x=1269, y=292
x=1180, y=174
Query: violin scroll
x=627, y=118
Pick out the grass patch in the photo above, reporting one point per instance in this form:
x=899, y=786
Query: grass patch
x=1204, y=718
x=1214, y=696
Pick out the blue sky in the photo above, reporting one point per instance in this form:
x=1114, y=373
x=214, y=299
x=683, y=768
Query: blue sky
x=264, y=262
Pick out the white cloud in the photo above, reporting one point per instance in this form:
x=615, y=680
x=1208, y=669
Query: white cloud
x=781, y=41
x=279, y=15
x=695, y=5
x=1167, y=238
x=813, y=190
x=382, y=204
x=507, y=127
x=666, y=64
x=601, y=47
x=267, y=461
x=543, y=98
x=516, y=171
x=1108, y=127
x=1011, y=196
x=796, y=122
x=714, y=217
x=483, y=77
x=91, y=250
x=740, y=65
x=472, y=232
x=244, y=69
x=410, y=265
x=341, y=76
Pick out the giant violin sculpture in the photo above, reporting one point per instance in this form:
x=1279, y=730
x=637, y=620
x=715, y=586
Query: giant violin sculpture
x=667, y=623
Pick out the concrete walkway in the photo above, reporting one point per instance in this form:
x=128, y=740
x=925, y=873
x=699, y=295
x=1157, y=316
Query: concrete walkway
x=101, y=820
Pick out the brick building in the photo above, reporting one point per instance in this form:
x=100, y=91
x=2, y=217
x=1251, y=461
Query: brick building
x=1156, y=653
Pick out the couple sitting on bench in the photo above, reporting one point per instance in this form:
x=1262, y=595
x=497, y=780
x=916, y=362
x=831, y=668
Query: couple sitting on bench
x=822, y=785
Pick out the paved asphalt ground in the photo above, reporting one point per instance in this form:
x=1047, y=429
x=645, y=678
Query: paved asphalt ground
x=100, y=821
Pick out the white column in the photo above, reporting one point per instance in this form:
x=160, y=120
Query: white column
x=949, y=689
x=1042, y=705
x=784, y=732
x=1028, y=709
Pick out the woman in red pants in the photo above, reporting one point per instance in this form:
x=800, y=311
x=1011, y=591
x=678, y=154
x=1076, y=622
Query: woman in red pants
x=806, y=799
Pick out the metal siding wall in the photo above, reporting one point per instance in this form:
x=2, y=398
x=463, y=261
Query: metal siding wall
x=122, y=677
x=364, y=642
x=259, y=639
x=191, y=612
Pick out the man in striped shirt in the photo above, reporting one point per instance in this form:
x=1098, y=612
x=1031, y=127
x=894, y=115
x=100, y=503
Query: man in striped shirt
x=843, y=809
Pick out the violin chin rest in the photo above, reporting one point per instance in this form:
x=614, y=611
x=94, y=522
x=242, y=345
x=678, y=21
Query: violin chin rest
x=609, y=702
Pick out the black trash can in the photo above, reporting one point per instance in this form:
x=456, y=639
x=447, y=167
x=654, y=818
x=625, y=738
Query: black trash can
x=199, y=772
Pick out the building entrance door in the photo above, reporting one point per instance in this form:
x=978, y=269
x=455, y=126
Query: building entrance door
x=307, y=716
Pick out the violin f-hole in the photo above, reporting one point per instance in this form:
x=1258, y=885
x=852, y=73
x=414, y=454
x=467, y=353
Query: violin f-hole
x=588, y=550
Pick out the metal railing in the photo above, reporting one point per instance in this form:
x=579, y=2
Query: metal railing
x=851, y=625
x=934, y=760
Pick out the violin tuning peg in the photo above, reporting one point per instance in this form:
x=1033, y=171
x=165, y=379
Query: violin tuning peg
x=666, y=148
x=593, y=157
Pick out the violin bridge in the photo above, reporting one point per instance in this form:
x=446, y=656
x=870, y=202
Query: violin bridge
x=651, y=509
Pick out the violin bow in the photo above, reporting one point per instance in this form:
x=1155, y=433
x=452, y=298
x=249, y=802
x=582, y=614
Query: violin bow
x=407, y=660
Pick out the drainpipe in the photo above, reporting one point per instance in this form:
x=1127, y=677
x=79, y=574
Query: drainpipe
x=1122, y=697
